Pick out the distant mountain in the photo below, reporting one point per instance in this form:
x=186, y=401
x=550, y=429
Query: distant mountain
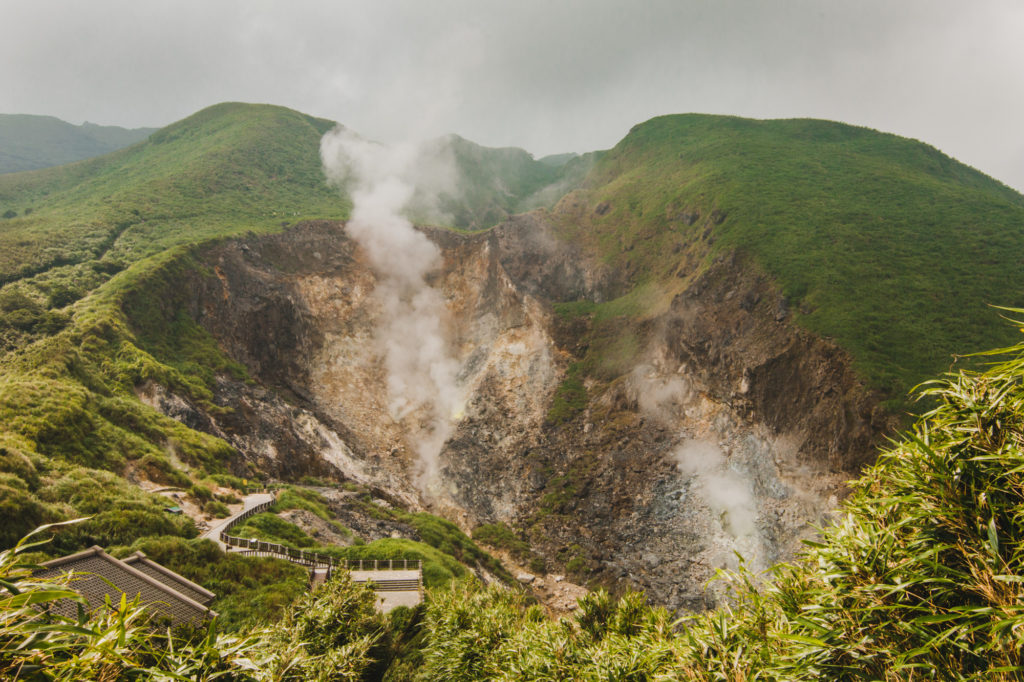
x=492, y=184
x=29, y=142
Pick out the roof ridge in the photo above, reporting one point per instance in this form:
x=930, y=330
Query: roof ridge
x=142, y=558
x=161, y=587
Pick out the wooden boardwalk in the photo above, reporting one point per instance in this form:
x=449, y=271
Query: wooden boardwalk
x=397, y=582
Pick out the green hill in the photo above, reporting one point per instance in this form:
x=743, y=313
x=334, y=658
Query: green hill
x=490, y=184
x=229, y=168
x=882, y=243
x=102, y=232
x=29, y=142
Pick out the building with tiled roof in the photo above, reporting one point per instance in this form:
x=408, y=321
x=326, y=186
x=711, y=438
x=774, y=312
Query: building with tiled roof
x=97, y=575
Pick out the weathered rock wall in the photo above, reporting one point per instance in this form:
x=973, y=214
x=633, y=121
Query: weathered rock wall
x=733, y=431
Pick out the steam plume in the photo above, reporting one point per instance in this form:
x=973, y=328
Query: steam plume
x=421, y=373
x=724, y=490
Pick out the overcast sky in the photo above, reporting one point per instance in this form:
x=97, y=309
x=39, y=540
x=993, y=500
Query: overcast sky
x=549, y=76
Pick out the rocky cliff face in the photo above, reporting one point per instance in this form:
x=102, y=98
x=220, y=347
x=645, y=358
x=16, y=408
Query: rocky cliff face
x=733, y=431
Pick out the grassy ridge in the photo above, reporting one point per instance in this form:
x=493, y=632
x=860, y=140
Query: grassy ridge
x=229, y=168
x=28, y=142
x=493, y=183
x=880, y=242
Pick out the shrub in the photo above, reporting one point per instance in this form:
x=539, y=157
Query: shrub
x=159, y=470
x=21, y=513
x=272, y=528
x=200, y=492
x=250, y=591
x=570, y=397
x=216, y=509
x=122, y=527
x=331, y=634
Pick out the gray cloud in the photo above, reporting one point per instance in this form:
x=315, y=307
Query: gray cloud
x=573, y=75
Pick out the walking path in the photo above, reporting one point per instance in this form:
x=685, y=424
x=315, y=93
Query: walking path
x=394, y=586
x=248, y=502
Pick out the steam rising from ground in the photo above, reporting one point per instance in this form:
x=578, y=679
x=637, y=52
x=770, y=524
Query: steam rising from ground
x=723, y=489
x=421, y=372
x=726, y=492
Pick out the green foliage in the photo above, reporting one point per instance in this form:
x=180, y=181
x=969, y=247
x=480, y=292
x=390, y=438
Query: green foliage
x=333, y=634
x=477, y=634
x=116, y=642
x=448, y=538
x=217, y=509
x=22, y=512
x=501, y=536
x=270, y=527
x=295, y=497
x=122, y=527
x=872, y=238
x=242, y=485
x=570, y=397
x=445, y=551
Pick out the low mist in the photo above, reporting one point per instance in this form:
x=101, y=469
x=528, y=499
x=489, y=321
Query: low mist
x=724, y=490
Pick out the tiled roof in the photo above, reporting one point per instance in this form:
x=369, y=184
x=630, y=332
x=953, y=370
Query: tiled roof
x=170, y=578
x=102, y=575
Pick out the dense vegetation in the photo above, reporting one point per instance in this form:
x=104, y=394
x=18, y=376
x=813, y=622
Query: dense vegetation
x=489, y=185
x=446, y=552
x=29, y=142
x=883, y=243
x=920, y=578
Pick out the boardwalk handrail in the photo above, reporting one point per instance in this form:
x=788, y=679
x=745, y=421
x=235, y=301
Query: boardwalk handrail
x=317, y=560
x=304, y=558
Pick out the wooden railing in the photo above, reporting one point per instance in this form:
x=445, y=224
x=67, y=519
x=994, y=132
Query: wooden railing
x=313, y=560
x=254, y=547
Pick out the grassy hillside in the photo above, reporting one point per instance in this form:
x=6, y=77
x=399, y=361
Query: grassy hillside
x=105, y=235
x=29, y=142
x=229, y=168
x=883, y=243
x=490, y=184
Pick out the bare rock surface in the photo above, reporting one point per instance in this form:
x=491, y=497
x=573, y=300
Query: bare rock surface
x=734, y=431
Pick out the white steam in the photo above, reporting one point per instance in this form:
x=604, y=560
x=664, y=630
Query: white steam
x=724, y=490
x=666, y=398
x=411, y=332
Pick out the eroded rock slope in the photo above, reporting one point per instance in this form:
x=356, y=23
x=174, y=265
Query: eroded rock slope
x=731, y=430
